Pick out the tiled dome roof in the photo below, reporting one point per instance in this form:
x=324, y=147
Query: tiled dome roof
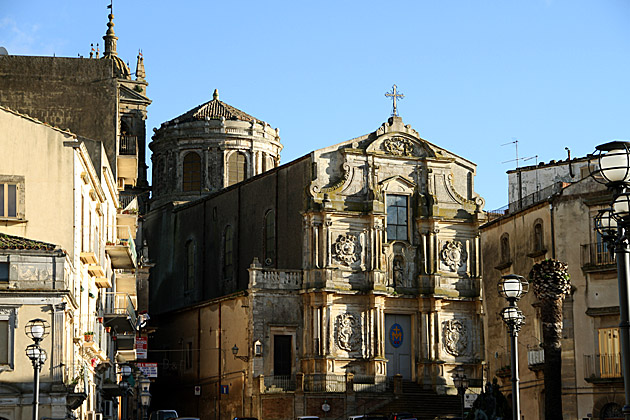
x=215, y=109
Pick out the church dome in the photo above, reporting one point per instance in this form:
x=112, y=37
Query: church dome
x=214, y=110
x=121, y=70
x=210, y=147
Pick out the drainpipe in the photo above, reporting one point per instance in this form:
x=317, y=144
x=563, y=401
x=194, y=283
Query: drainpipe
x=569, y=159
x=553, y=234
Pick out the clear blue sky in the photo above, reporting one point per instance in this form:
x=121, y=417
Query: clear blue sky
x=476, y=74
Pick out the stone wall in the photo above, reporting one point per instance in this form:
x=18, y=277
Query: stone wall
x=70, y=93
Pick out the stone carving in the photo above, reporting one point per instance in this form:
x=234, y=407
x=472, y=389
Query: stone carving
x=398, y=273
x=346, y=249
x=398, y=146
x=455, y=337
x=348, y=334
x=453, y=254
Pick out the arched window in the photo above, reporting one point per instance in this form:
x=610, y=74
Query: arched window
x=192, y=172
x=159, y=176
x=269, y=163
x=505, y=248
x=237, y=168
x=611, y=411
x=228, y=253
x=190, y=265
x=538, y=237
x=270, y=237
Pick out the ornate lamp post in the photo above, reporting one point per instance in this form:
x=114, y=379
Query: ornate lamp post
x=145, y=395
x=36, y=330
x=125, y=372
x=611, y=166
x=461, y=382
x=512, y=288
x=236, y=356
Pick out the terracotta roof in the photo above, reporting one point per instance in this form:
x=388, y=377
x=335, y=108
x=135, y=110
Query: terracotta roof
x=215, y=109
x=17, y=242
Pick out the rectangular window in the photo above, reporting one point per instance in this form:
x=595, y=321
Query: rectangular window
x=8, y=200
x=397, y=218
x=281, y=355
x=4, y=272
x=4, y=340
x=609, y=353
x=189, y=355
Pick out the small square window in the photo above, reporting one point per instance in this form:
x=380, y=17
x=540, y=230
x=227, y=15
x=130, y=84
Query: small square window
x=4, y=272
x=11, y=197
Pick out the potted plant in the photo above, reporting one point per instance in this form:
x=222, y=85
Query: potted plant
x=88, y=335
x=108, y=329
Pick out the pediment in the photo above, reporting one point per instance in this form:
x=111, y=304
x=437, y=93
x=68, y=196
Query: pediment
x=400, y=145
x=131, y=95
x=398, y=184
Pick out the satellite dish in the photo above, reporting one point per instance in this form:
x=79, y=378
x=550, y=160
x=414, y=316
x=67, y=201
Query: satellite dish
x=3, y=51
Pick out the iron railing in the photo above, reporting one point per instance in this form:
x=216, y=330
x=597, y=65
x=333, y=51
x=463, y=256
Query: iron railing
x=322, y=382
x=596, y=254
x=369, y=383
x=531, y=199
x=602, y=366
x=128, y=145
x=280, y=383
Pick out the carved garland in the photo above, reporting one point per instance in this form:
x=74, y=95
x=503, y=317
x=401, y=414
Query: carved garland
x=453, y=254
x=348, y=332
x=455, y=337
x=346, y=249
x=398, y=146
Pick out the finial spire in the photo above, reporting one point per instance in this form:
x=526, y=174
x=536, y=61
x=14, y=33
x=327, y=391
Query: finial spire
x=110, y=37
x=394, y=95
x=215, y=95
x=140, y=74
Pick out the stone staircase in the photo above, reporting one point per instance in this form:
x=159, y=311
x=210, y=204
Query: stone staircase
x=423, y=404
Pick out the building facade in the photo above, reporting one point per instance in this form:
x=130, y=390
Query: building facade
x=291, y=290
x=557, y=222
x=69, y=216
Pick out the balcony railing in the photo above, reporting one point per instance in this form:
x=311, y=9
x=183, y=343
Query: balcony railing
x=120, y=304
x=322, y=382
x=280, y=383
x=596, y=254
x=128, y=145
x=535, y=357
x=602, y=367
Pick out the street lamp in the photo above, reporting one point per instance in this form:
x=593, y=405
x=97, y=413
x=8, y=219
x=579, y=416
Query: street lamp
x=125, y=372
x=512, y=288
x=236, y=356
x=461, y=382
x=145, y=395
x=610, y=165
x=36, y=330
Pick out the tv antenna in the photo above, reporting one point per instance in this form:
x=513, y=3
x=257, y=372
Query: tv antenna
x=518, y=159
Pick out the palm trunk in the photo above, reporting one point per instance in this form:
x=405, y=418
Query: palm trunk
x=551, y=316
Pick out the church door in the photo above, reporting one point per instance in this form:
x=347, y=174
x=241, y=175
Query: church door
x=398, y=345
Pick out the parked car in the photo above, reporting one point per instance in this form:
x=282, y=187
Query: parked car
x=186, y=418
x=400, y=416
x=245, y=418
x=163, y=415
x=307, y=418
x=369, y=417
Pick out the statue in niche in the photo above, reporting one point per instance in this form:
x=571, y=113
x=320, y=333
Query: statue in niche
x=398, y=273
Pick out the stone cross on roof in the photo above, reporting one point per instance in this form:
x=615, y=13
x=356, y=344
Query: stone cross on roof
x=394, y=95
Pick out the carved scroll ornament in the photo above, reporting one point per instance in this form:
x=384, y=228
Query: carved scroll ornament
x=348, y=332
x=453, y=254
x=346, y=249
x=455, y=337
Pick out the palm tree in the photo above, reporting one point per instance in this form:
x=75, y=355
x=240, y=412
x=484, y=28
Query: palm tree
x=550, y=281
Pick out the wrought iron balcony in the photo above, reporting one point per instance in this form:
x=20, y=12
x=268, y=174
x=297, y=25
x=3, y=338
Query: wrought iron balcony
x=602, y=368
x=128, y=145
x=596, y=255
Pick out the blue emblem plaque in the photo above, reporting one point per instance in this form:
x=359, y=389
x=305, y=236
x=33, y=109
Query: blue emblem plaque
x=396, y=335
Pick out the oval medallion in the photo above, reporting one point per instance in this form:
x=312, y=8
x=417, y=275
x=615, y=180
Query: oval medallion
x=396, y=335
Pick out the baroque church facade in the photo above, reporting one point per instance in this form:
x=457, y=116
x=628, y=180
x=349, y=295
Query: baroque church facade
x=310, y=287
